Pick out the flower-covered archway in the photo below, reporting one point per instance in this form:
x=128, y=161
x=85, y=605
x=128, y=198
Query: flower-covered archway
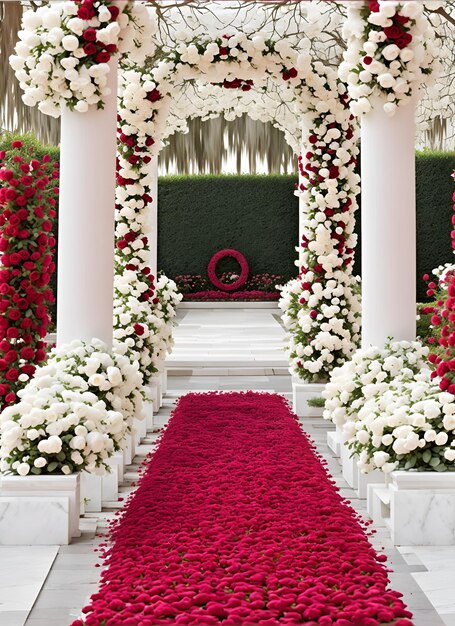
x=316, y=116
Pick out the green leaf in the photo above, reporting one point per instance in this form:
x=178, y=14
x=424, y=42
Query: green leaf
x=35, y=470
x=426, y=456
x=52, y=466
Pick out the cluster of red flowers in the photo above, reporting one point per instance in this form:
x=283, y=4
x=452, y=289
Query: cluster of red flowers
x=100, y=52
x=238, y=83
x=397, y=33
x=257, y=287
x=240, y=296
x=232, y=285
x=443, y=316
x=236, y=521
x=28, y=192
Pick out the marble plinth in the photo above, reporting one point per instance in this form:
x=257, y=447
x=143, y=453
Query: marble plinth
x=110, y=481
x=417, y=507
x=58, y=486
x=147, y=410
x=349, y=468
x=334, y=441
x=92, y=492
x=128, y=449
x=163, y=380
x=34, y=520
x=372, y=478
x=119, y=461
x=140, y=426
x=301, y=393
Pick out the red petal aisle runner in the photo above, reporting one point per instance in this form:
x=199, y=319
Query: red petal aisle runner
x=236, y=521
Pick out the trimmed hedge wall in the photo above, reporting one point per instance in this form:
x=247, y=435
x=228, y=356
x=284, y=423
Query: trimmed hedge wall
x=200, y=215
x=258, y=215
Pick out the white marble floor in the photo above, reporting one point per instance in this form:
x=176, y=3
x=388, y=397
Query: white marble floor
x=225, y=350
x=221, y=341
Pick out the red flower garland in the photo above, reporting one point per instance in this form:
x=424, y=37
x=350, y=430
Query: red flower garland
x=28, y=191
x=236, y=521
x=445, y=317
x=244, y=270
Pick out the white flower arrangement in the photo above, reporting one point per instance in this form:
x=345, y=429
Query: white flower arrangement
x=392, y=50
x=64, y=50
x=392, y=413
x=168, y=300
x=73, y=414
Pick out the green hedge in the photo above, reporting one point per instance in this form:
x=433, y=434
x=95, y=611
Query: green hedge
x=199, y=215
x=258, y=215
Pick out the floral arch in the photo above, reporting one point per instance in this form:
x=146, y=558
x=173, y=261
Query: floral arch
x=305, y=100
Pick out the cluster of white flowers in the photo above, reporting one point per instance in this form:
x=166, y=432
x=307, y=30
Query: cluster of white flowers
x=168, y=299
x=392, y=50
x=392, y=413
x=73, y=414
x=64, y=50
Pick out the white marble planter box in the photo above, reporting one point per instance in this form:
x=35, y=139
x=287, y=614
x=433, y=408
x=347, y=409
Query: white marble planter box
x=335, y=441
x=417, y=507
x=140, y=426
x=147, y=411
x=119, y=461
x=92, y=492
x=34, y=521
x=163, y=380
x=128, y=449
x=301, y=393
x=363, y=480
x=26, y=497
x=110, y=481
x=349, y=468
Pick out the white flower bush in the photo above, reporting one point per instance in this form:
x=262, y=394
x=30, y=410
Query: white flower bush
x=168, y=300
x=64, y=49
x=392, y=413
x=73, y=414
x=392, y=50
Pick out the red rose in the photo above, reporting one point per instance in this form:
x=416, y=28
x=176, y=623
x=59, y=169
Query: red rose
x=11, y=356
x=404, y=40
x=86, y=12
x=12, y=374
x=224, y=51
x=28, y=369
x=4, y=389
x=374, y=6
x=393, y=32
x=367, y=60
x=121, y=245
x=139, y=329
x=89, y=34
x=17, y=144
x=114, y=11
x=154, y=95
x=103, y=57
x=90, y=49
x=10, y=397
x=14, y=314
x=401, y=19
x=12, y=333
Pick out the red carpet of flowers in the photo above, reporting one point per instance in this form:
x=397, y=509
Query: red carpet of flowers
x=236, y=521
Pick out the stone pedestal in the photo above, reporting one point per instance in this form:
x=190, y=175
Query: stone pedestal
x=147, y=410
x=110, y=480
x=335, y=441
x=39, y=510
x=301, y=393
x=92, y=492
x=349, y=468
x=163, y=380
x=128, y=449
x=417, y=507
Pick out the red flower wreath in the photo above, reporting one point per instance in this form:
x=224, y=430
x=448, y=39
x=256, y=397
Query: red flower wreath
x=244, y=270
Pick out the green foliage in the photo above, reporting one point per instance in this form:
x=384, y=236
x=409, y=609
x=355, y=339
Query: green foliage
x=316, y=402
x=434, y=187
x=199, y=215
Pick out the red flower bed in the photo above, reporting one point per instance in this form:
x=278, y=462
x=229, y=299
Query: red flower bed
x=236, y=521
x=237, y=295
x=28, y=188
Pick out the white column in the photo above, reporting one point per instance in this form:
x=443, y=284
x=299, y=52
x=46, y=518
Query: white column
x=86, y=221
x=302, y=181
x=388, y=225
x=153, y=216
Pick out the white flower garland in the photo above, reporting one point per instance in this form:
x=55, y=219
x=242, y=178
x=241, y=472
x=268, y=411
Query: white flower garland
x=392, y=51
x=64, y=50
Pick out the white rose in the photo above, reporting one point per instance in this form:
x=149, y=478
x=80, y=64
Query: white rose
x=441, y=439
x=386, y=80
x=95, y=441
x=391, y=52
x=23, y=469
x=54, y=444
x=70, y=43
x=40, y=462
